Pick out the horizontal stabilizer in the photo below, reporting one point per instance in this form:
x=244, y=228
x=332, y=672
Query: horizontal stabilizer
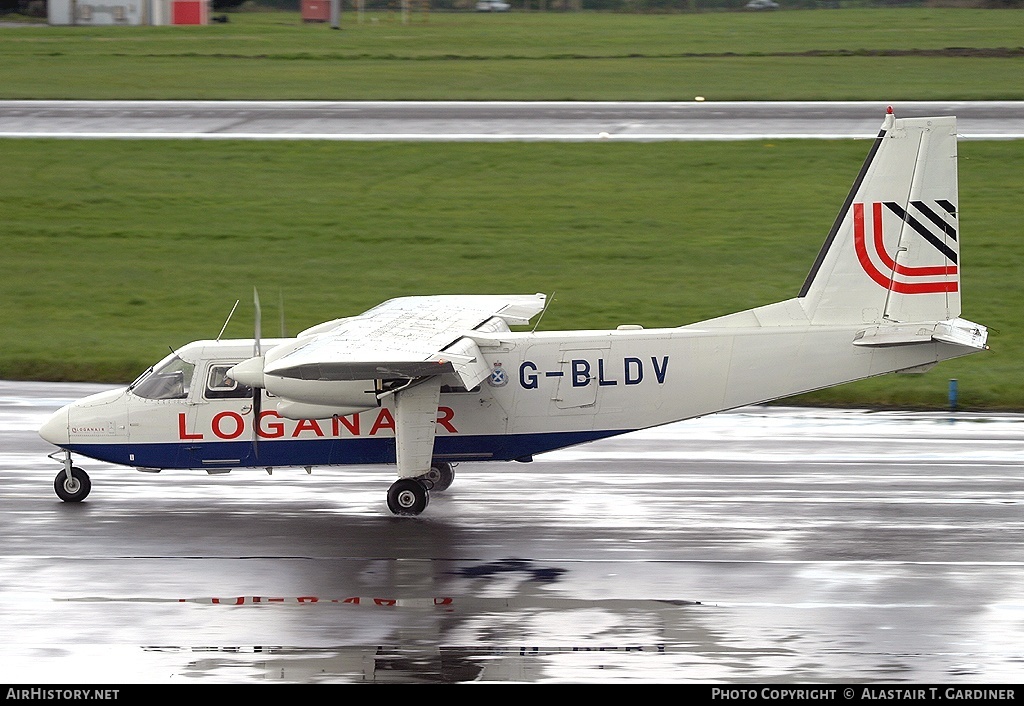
x=894, y=335
x=958, y=332
x=961, y=332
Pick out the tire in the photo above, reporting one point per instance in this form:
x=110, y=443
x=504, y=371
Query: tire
x=407, y=496
x=75, y=489
x=440, y=475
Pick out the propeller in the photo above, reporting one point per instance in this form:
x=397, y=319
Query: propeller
x=280, y=305
x=257, y=392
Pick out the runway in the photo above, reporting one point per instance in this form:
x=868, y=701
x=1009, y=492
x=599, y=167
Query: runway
x=764, y=545
x=489, y=121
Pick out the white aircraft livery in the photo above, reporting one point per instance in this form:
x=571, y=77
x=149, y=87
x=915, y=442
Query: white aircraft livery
x=424, y=382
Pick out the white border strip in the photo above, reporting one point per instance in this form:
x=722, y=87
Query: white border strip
x=465, y=137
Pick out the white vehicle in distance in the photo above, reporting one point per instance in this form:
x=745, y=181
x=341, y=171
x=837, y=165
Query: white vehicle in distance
x=493, y=6
x=762, y=5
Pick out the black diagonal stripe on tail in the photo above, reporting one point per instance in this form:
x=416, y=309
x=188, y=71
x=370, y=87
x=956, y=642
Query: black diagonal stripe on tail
x=947, y=228
x=922, y=230
x=841, y=218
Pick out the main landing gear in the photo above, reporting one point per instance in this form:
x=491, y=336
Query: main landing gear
x=440, y=475
x=72, y=485
x=410, y=496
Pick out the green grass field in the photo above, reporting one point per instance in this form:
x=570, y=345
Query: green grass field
x=115, y=250
x=849, y=54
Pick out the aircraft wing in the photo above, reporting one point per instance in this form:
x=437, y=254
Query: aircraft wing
x=408, y=337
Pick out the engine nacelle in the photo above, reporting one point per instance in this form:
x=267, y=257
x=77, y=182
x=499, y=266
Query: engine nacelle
x=347, y=396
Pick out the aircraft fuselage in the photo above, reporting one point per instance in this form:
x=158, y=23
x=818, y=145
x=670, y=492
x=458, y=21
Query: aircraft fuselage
x=546, y=391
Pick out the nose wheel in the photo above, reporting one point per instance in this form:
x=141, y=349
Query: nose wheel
x=407, y=496
x=72, y=488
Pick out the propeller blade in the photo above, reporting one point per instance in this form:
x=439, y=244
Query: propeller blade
x=257, y=403
x=257, y=392
x=256, y=328
x=280, y=295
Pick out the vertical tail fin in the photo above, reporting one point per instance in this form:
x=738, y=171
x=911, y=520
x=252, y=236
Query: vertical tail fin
x=893, y=253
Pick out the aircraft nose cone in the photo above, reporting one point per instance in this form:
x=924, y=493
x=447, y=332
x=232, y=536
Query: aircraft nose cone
x=55, y=429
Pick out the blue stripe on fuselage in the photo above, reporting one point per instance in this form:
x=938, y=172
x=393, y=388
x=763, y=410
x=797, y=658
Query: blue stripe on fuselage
x=326, y=452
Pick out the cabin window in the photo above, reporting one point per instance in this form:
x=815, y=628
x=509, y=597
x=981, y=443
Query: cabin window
x=220, y=385
x=170, y=379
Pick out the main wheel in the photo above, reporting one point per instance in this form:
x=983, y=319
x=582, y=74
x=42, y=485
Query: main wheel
x=73, y=489
x=440, y=475
x=407, y=496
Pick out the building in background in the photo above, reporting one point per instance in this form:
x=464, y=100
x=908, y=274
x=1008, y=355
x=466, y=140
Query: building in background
x=128, y=12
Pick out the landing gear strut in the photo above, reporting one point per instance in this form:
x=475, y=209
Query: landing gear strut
x=72, y=484
x=407, y=496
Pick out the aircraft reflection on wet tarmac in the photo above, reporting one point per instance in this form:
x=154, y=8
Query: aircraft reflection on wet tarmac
x=412, y=663
x=441, y=664
x=758, y=545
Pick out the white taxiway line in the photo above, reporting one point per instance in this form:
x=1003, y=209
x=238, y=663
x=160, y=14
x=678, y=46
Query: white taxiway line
x=468, y=137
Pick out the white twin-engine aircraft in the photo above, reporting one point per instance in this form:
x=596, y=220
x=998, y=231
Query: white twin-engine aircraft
x=423, y=382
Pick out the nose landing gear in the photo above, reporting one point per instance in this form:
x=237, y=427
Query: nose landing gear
x=73, y=489
x=72, y=485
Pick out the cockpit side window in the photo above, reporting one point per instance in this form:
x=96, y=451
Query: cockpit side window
x=170, y=379
x=219, y=385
